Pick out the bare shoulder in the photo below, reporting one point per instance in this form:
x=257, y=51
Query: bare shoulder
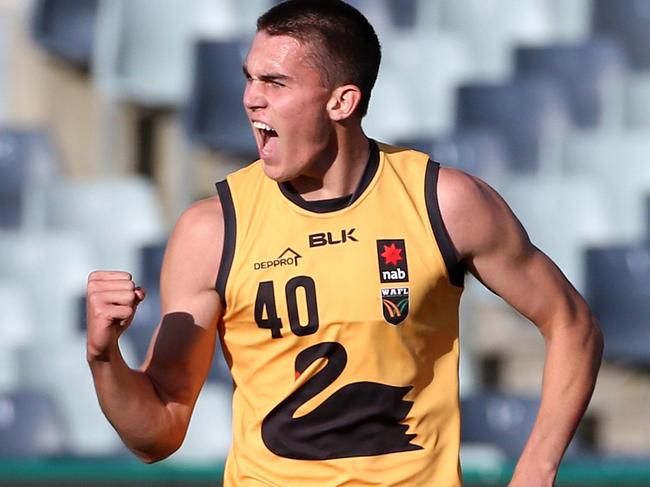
x=475, y=215
x=203, y=217
x=195, y=246
x=461, y=193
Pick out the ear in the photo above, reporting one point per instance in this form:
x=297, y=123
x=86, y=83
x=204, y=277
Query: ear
x=343, y=102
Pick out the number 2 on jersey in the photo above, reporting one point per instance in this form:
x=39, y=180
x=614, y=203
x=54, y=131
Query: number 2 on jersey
x=266, y=314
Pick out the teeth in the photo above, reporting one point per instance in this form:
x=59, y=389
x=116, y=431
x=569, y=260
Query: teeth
x=262, y=126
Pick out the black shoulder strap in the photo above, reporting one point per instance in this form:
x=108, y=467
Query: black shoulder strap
x=455, y=268
x=229, y=236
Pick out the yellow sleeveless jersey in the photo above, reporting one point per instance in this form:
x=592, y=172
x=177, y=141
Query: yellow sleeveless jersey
x=341, y=330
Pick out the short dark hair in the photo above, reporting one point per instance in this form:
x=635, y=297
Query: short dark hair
x=345, y=46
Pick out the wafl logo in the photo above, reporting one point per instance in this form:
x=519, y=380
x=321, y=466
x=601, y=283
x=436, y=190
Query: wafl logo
x=393, y=268
x=395, y=304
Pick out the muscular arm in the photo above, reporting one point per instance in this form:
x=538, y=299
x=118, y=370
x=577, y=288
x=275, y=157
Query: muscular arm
x=496, y=249
x=150, y=408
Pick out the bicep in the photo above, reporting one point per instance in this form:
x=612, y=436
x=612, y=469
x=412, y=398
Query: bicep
x=532, y=284
x=496, y=249
x=181, y=350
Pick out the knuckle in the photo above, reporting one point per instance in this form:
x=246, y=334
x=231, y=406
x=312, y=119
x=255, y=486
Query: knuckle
x=101, y=275
x=93, y=299
x=95, y=315
x=124, y=275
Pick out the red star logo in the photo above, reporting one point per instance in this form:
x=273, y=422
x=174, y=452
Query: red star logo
x=391, y=254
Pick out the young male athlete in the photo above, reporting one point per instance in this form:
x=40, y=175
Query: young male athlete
x=331, y=270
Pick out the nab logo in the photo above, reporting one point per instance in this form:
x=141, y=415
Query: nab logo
x=392, y=261
x=397, y=275
x=288, y=257
x=320, y=239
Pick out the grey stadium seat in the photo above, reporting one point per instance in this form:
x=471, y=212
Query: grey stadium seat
x=592, y=73
x=30, y=425
x=618, y=291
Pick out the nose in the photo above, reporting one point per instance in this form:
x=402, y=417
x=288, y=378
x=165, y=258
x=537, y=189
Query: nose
x=253, y=96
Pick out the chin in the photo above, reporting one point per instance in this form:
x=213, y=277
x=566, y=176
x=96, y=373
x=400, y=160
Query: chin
x=274, y=172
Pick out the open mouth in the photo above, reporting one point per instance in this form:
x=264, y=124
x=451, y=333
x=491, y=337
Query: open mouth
x=266, y=133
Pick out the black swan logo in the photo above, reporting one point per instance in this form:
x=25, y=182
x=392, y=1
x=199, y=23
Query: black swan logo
x=360, y=419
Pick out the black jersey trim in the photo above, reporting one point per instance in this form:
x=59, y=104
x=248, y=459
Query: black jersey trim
x=455, y=268
x=335, y=204
x=229, y=236
x=332, y=204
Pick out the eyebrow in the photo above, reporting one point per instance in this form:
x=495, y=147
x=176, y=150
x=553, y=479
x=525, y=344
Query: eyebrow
x=267, y=77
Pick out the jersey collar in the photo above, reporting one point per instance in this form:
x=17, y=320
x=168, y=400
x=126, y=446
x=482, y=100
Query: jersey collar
x=335, y=204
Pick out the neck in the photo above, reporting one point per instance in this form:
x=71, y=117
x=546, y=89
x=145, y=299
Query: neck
x=340, y=172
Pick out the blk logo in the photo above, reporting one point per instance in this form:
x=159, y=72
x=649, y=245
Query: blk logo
x=320, y=239
x=392, y=261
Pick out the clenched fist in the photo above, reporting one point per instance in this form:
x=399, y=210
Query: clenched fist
x=111, y=300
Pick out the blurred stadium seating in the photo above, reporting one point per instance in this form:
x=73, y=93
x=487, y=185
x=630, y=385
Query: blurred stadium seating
x=437, y=64
x=388, y=14
x=481, y=152
x=30, y=425
x=592, y=73
x=547, y=100
x=618, y=280
x=91, y=208
x=629, y=22
x=530, y=113
x=215, y=115
x=618, y=161
x=28, y=162
x=493, y=28
x=563, y=216
x=503, y=421
x=66, y=29
x=18, y=328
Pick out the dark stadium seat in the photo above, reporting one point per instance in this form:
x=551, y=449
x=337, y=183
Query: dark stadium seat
x=504, y=421
x=498, y=419
x=30, y=425
x=618, y=290
x=388, y=13
x=628, y=21
x=145, y=322
x=480, y=152
x=26, y=157
x=647, y=218
x=151, y=257
x=215, y=116
x=530, y=113
x=65, y=28
x=592, y=73
x=13, y=176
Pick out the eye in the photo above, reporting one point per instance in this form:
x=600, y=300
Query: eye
x=246, y=73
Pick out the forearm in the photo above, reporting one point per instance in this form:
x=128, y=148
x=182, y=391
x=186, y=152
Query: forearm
x=132, y=405
x=572, y=361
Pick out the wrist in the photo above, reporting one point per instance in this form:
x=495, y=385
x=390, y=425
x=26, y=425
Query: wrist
x=542, y=471
x=99, y=355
